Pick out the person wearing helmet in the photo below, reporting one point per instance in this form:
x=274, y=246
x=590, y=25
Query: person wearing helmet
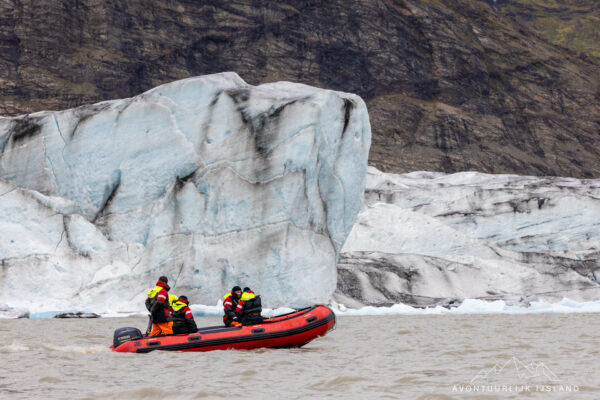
x=183, y=319
x=230, y=302
x=249, y=308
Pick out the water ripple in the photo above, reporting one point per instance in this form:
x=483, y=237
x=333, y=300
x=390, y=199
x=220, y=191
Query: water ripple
x=391, y=357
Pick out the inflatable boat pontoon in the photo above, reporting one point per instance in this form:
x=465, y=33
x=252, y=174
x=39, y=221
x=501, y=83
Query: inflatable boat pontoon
x=290, y=330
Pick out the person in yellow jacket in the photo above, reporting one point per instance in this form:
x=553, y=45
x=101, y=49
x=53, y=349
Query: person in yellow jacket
x=159, y=307
x=183, y=319
x=249, y=308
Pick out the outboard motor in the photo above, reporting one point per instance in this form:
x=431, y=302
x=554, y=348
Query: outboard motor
x=126, y=334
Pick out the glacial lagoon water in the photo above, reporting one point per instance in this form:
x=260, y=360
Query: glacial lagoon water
x=543, y=356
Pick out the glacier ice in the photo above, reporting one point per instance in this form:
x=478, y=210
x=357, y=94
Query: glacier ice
x=208, y=180
x=428, y=238
x=477, y=306
x=7, y=312
x=214, y=182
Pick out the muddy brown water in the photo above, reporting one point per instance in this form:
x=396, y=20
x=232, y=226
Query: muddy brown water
x=366, y=357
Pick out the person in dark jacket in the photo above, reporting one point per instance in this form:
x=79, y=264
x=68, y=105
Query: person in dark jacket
x=249, y=308
x=183, y=319
x=230, y=302
x=158, y=305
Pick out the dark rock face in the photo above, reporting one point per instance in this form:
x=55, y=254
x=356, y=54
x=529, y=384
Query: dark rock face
x=450, y=85
x=572, y=24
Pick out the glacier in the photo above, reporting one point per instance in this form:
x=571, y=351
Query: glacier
x=427, y=238
x=477, y=307
x=214, y=182
x=208, y=180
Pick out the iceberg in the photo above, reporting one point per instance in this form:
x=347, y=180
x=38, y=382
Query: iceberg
x=208, y=180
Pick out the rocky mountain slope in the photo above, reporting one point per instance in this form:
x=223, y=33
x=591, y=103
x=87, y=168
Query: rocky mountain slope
x=451, y=85
x=569, y=23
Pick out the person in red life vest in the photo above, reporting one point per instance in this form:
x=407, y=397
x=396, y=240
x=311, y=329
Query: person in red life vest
x=158, y=305
x=172, y=299
x=183, y=319
x=249, y=308
x=230, y=302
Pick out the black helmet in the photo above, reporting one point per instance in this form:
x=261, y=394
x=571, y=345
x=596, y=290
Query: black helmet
x=235, y=288
x=184, y=298
x=246, y=289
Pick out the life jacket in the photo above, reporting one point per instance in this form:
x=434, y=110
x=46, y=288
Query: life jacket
x=155, y=295
x=229, y=307
x=229, y=301
x=152, y=294
x=250, y=304
x=179, y=310
x=183, y=319
x=172, y=300
x=178, y=305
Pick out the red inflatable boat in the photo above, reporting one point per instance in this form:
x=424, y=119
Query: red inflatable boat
x=290, y=330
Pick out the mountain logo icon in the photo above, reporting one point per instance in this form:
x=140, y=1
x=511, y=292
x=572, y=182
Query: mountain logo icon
x=526, y=371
